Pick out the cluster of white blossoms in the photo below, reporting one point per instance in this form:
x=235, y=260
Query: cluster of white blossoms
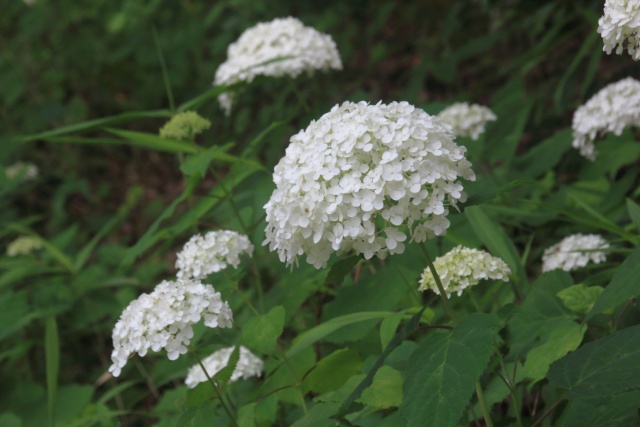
x=463, y=267
x=164, y=319
x=203, y=255
x=22, y=170
x=574, y=252
x=613, y=108
x=467, y=120
x=620, y=27
x=249, y=365
x=23, y=245
x=281, y=48
x=354, y=179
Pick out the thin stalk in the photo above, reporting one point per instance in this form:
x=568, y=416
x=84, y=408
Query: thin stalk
x=295, y=378
x=215, y=389
x=483, y=405
x=512, y=390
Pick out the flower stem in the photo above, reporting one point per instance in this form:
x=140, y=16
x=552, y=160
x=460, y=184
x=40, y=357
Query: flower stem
x=215, y=389
x=483, y=405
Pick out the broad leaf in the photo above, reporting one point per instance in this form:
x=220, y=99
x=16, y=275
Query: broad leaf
x=634, y=212
x=385, y=391
x=610, y=411
x=333, y=371
x=580, y=298
x=260, y=333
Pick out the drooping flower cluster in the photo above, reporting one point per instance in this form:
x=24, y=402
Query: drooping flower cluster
x=620, y=27
x=185, y=126
x=249, y=365
x=613, y=108
x=463, y=267
x=354, y=179
x=22, y=171
x=281, y=48
x=467, y=120
x=574, y=251
x=203, y=255
x=23, y=245
x=164, y=319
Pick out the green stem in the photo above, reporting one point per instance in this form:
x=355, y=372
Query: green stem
x=295, y=378
x=510, y=382
x=483, y=405
x=215, y=389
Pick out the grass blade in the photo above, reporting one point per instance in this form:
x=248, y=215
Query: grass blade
x=165, y=73
x=52, y=360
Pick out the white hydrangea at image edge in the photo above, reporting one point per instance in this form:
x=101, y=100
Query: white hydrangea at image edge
x=361, y=175
x=249, y=365
x=213, y=252
x=467, y=120
x=462, y=267
x=613, y=108
x=284, y=47
x=574, y=252
x=164, y=319
x=619, y=27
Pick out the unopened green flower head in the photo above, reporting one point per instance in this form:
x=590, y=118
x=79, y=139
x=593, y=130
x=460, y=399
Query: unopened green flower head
x=185, y=126
x=23, y=245
x=463, y=267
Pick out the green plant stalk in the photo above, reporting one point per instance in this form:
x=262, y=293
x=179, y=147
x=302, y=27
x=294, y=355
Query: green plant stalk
x=512, y=389
x=295, y=379
x=215, y=389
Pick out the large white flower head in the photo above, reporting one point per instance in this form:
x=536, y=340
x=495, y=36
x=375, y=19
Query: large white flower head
x=620, y=26
x=23, y=171
x=23, y=245
x=359, y=178
x=203, y=255
x=283, y=47
x=164, y=319
x=613, y=108
x=249, y=365
x=467, y=120
x=574, y=252
x=463, y=267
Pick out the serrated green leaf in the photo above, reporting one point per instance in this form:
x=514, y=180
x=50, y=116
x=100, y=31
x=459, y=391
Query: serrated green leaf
x=246, y=416
x=333, y=371
x=602, y=368
x=446, y=367
x=610, y=411
x=634, y=212
x=260, y=333
x=339, y=269
x=623, y=286
x=224, y=375
x=580, y=298
x=385, y=391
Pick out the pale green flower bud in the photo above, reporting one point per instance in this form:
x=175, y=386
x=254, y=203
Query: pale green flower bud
x=185, y=126
x=23, y=245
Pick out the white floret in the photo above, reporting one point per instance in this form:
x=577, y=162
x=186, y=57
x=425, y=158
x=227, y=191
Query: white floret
x=620, y=26
x=467, y=120
x=574, y=252
x=249, y=365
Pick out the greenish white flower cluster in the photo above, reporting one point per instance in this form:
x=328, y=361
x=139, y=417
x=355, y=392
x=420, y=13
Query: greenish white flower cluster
x=22, y=171
x=203, y=255
x=574, y=252
x=280, y=48
x=613, y=108
x=360, y=175
x=463, y=267
x=467, y=120
x=620, y=27
x=185, y=126
x=164, y=319
x=249, y=365
x=23, y=245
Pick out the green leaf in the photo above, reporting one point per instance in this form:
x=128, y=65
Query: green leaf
x=388, y=328
x=634, y=212
x=56, y=253
x=7, y=419
x=610, y=411
x=602, y=368
x=543, y=156
x=580, y=298
x=340, y=269
x=315, y=334
x=385, y=391
x=446, y=367
x=197, y=164
x=260, y=333
x=333, y=371
x=246, y=416
x=200, y=394
x=224, y=375
x=163, y=66
x=52, y=363
x=319, y=416
x=150, y=140
x=623, y=286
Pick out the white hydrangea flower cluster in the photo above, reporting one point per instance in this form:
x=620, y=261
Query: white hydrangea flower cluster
x=23, y=245
x=620, y=25
x=283, y=47
x=164, y=319
x=355, y=177
x=613, y=108
x=249, y=365
x=22, y=170
x=463, y=267
x=203, y=255
x=574, y=252
x=467, y=120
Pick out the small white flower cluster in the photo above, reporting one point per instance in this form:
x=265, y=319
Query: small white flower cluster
x=164, y=319
x=350, y=179
x=463, y=267
x=282, y=47
x=574, y=252
x=22, y=170
x=203, y=255
x=620, y=25
x=613, y=108
x=467, y=120
x=249, y=365
x=23, y=245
